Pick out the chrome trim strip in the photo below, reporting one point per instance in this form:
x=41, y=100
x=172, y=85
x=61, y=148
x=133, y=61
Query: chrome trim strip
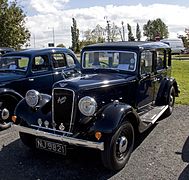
x=70, y=140
x=72, y=105
x=53, y=130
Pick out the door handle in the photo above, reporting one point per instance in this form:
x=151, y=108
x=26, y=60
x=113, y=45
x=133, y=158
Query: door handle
x=31, y=79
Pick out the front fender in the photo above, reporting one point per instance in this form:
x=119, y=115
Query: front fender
x=10, y=92
x=111, y=117
x=27, y=115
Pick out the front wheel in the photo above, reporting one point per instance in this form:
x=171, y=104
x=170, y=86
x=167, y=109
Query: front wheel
x=118, y=147
x=171, y=102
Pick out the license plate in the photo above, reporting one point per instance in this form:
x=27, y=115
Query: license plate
x=51, y=146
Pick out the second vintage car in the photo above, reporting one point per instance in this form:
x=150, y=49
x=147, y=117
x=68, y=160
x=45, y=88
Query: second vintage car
x=124, y=89
x=35, y=69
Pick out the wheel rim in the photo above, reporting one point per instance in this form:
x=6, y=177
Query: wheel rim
x=123, y=144
x=171, y=99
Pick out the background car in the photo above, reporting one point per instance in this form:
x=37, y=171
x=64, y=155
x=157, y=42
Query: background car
x=177, y=46
x=32, y=69
x=124, y=88
x=4, y=50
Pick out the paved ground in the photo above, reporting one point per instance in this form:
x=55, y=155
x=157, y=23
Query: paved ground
x=161, y=153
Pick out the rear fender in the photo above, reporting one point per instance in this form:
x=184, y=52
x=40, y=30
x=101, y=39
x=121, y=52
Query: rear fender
x=163, y=93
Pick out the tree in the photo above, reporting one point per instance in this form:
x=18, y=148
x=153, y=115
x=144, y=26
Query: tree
x=130, y=34
x=75, y=36
x=138, y=32
x=13, y=32
x=60, y=45
x=155, y=29
x=93, y=36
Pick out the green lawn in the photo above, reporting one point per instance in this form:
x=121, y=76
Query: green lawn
x=180, y=71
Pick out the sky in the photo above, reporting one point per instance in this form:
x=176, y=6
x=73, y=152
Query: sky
x=46, y=18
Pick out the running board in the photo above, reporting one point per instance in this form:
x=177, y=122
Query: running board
x=153, y=115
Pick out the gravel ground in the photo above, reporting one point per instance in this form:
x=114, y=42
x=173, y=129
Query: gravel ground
x=160, y=153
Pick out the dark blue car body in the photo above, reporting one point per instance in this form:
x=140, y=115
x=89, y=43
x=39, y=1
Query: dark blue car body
x=35, y=69
x=123, y=90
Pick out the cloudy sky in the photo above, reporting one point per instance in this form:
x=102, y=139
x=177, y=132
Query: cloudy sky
x=44, y=16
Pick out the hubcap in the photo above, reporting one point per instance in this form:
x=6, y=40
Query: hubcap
x=5, y=114
x=123, y=144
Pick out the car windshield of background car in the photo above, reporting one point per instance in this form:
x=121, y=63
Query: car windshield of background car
x=119, y=60
x=16, y=63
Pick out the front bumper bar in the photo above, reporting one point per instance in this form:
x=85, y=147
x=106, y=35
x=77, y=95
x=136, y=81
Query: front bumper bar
x=5, y=125
x=61, y=138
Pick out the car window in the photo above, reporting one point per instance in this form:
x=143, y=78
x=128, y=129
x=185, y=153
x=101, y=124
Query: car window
x=59, y=60
x=40, y=63
x=70, y=60
x=146, y=62
x=160, y=60
x=119, y=60
x=19, y=63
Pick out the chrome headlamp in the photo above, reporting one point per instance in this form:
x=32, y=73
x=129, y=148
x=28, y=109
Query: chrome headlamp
x=32, y=98
x=87, y=105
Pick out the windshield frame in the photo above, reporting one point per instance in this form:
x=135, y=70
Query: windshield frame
x=83, y=59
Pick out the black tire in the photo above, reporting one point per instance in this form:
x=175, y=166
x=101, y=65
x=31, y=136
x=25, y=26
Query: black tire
x=9, y=103
x=28, y=140
x=171, y=102
x=113, y=157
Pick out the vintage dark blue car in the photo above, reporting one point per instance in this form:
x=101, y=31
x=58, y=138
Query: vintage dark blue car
x=31, y=69
x=124, y=88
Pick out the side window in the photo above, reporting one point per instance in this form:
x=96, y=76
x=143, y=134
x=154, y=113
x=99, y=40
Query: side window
x=59, y=60
x=146, y=62
x=70, y=60
x=40, y=63
x=161, y=60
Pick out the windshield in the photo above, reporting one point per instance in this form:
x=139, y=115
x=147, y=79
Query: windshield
x=118, y=60
x=16, y=63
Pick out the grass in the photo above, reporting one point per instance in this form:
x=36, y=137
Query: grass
x=180, y=71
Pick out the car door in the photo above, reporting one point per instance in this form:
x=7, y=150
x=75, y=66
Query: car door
x=146, y=83
x=161, y=68
x=40, y=76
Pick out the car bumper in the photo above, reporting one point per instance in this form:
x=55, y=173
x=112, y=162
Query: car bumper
x=61, y=138
x=5, y=125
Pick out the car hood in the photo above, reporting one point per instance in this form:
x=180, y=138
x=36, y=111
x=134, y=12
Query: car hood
x=5, y=77
x=91, y=81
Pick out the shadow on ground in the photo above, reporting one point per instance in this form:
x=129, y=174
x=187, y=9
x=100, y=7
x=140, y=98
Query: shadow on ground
x=185, y=157
x=18, y=161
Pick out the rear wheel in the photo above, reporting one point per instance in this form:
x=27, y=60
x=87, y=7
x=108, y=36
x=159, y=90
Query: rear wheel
x=118, y=147
x=171, y=101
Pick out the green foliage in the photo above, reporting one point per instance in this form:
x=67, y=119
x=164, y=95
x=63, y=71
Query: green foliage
x=130, y=34
x=13, y=32
x=180, y=73
x=155, y=29
x=184, y=40
x=75, y=36
x=138, y=32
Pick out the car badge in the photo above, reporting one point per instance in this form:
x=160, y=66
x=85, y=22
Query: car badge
x=63, y=84
x=61, y=100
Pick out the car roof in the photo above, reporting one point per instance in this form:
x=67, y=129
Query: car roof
x=6, y=49
x=29, y=52
x=128, y=45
